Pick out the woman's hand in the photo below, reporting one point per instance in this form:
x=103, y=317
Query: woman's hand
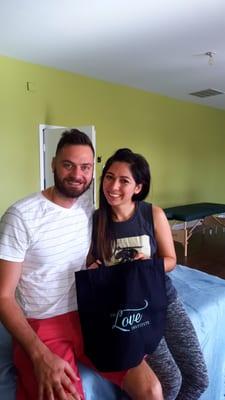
x=140, y=256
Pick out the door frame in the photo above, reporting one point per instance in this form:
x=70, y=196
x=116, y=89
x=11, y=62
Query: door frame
x=41, y=152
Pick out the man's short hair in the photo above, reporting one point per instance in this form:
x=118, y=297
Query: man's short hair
x=74, y=137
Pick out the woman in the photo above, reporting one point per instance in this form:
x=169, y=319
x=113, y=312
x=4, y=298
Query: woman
x=125, y=227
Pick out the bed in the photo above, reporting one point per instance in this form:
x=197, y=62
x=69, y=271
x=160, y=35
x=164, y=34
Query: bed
x=204, y=299
x=198, y=213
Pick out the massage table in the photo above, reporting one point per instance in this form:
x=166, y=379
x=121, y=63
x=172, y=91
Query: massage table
x=198, y=213
x=204, y=299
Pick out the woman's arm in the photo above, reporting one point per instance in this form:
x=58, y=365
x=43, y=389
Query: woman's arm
x=90, y=258
x=164, y=238
x=91, y=261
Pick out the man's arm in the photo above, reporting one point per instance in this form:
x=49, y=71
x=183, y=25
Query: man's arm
x=53, y=374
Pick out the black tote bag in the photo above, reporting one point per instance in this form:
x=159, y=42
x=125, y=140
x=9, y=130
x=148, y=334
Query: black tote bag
x=122, y=311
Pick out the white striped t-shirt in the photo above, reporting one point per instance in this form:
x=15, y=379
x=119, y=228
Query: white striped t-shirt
x=52, y=243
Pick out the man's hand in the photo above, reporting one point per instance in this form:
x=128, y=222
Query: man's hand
x=95, y=264
x=55, y=378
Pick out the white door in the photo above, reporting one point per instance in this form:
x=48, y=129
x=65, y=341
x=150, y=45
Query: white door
x=49, y=137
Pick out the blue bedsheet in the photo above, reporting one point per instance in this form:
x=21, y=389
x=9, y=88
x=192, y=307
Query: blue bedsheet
x=204, y=299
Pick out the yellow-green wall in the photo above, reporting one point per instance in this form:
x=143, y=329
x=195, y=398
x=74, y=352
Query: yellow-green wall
x=184, y=143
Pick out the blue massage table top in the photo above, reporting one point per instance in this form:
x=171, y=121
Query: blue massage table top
x=191, y=212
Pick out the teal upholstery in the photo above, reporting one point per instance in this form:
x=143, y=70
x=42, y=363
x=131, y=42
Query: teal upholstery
x=191, y=212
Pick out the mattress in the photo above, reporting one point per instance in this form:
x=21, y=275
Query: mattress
x=204, y=299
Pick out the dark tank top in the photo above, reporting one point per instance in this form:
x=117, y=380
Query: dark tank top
x=134, y=235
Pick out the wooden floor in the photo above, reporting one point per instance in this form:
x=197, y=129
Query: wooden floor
x=206, y=251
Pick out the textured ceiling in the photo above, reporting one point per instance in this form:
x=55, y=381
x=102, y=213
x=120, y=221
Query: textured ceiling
x=156, y=46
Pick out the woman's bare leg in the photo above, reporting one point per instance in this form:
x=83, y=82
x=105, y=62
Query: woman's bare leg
x=141, y=383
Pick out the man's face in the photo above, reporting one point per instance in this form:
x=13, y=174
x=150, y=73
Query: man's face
x=73, y=170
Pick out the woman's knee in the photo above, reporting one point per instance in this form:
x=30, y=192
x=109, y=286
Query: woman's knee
x=171, y=384
x=166, y=370
x=141, y=383
x=152, y=392
x=199, y=382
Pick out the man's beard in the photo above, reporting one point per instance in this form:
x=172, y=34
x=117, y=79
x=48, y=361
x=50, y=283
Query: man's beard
x=68, y=192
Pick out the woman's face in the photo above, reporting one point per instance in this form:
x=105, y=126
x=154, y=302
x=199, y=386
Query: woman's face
x=119, y=185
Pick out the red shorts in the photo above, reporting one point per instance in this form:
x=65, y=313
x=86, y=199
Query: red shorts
x=62, y=335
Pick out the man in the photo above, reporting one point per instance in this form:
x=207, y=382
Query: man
x=44, y=240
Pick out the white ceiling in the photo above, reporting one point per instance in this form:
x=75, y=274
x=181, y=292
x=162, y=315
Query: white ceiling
x=148, y=44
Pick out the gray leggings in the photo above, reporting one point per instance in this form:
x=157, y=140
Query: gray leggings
x=178, y=360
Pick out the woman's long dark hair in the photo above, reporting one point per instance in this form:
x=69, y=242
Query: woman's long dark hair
x=140, y=171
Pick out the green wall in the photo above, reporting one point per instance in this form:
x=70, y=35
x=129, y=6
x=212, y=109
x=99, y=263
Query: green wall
x=184, y=143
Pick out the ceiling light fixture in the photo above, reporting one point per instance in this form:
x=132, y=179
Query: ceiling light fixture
x=210, y=54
